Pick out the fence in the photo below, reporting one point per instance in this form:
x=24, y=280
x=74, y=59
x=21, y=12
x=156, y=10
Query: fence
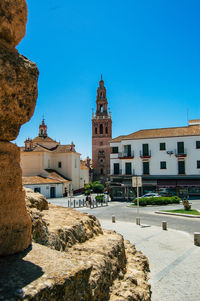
x=82, y=203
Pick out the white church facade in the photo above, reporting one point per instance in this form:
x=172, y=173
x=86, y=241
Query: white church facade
x=50, y=167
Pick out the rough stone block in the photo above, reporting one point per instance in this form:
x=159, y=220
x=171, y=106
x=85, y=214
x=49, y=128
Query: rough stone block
x=40, y=273
x=15, y=222
x=18, y=92
x=13, y=18
x=197, y=239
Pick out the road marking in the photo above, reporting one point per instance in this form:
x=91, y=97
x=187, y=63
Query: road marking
x=159, y=276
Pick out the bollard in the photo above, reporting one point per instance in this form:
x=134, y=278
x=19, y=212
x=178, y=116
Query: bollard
x=138, y=221
x=113, y=219
x=164, y=225
x=197, y=239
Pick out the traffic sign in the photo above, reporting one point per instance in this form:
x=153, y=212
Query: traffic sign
x=136, y=181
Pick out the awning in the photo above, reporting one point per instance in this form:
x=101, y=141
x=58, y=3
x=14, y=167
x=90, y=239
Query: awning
x=149, y=182
x=188, y=183
x=162, y=183
x=167, y=183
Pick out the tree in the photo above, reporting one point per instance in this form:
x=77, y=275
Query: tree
x=97, y=187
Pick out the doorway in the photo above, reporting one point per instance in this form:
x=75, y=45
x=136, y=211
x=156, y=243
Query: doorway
x=52, y=192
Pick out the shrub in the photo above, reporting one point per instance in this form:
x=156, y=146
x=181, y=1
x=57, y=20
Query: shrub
x=186, y=205
x=158, y=201
x=99, y=197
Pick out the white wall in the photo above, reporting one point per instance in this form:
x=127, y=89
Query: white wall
x=157, y=156
x=45, y=189
x=84, y=177
x=32, y=163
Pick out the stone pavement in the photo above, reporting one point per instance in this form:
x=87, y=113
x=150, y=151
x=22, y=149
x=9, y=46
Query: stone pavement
x=174, y=260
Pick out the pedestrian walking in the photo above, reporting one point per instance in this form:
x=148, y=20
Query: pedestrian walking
x=87, y=201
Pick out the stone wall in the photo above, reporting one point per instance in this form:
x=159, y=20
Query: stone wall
x=18, y=94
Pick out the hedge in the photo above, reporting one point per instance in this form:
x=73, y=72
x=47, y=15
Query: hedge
x=99, y=197
x=158, y=201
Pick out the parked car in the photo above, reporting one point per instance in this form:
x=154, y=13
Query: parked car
x=150, y=195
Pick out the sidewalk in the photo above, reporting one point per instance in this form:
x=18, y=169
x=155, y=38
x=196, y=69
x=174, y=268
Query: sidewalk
x=174, y=260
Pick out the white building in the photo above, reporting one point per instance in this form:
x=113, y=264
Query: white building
x=49, y=167
x=167, y=158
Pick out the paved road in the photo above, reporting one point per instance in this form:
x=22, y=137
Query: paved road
x=123, y=212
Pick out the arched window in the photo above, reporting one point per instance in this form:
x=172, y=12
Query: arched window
x=95, y=130
x=101, y=171
x=101, y=129
x=101, y=108
x=41, y=132
x=106, y=130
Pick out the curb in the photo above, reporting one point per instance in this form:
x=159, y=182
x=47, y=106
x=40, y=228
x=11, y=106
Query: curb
x=178, y=214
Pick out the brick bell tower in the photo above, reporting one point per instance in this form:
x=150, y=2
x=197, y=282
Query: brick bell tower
x=101, y=136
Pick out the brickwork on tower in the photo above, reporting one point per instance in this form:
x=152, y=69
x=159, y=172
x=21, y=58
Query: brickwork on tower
x=101, y=136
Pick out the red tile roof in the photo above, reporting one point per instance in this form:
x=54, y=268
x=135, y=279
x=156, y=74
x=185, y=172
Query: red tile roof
x=191, y=130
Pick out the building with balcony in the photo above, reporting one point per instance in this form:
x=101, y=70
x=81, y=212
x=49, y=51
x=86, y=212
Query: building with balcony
x=168, y=159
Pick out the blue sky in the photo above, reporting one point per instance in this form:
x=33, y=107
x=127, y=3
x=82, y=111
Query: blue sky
x=147, y=51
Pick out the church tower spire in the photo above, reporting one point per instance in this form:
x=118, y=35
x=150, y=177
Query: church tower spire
x=101, y=135
x=43, y=129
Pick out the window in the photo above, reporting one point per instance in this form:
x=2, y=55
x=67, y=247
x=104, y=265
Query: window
x=180, y=147
x=101, y=171
x=115, y=150
x=197, y=144
x=106, y=130
x=59, y=164
x=162, y=146
x=37, y=189
x=127, y=150
x=128, y=167
x=163, y=165
x=146, y=168
x=101, y=143
x=101, y=108
x=181, y=167
x=198, y=163
x=101, y=129
x=95, y=130
x=116, y=168
x=145, y=150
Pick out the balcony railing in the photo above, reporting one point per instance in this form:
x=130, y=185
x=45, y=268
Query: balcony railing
x=117, y=172
x=181, y=154
x=131, y=173
x=145, y=154
x=124, y=155
x=124, y=173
